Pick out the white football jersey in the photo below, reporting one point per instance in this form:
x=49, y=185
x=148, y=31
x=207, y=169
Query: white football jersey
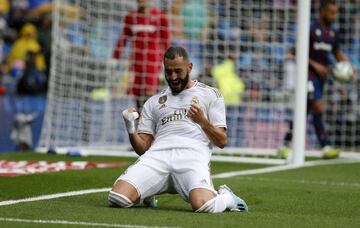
x=164, y=117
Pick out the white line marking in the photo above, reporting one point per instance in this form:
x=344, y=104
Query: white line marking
x=340, y=184
x=220, y=175
x=64, y=222
x=53, y=196
x=254, y=171
x=284, y=167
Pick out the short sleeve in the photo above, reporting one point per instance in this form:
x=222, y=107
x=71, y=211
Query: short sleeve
x=217, y=113
x=147, y=124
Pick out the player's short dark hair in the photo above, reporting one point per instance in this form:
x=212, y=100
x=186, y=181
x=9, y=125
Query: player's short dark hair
x=172, y=52
x=325, y=3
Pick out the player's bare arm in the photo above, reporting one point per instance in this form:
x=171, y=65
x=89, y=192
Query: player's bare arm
x=216, y=135
x=141, y=142
x=340, y=55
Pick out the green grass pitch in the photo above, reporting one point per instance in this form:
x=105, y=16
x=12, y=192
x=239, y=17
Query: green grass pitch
x=318, y=196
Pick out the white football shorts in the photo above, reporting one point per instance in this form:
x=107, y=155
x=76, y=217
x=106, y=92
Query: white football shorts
x=170, y=171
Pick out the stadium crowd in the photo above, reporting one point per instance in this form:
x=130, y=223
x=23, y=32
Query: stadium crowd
x=203, y=28
x=25, y=44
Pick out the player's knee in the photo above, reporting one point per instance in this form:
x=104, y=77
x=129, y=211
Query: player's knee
x=126, y=189
x=197, y=203
x=199, y=197
x=116, y=199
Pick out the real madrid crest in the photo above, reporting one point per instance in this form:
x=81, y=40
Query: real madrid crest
x=195, y=100
x=162, y=99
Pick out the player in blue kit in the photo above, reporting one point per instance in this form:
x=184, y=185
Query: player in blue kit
x=324, y=42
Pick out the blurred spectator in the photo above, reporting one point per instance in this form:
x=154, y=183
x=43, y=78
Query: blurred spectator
x=255, y=71
x=195, y=19
x=33, y=81
x=99, y=47
x=177, y=23
x=26, y=11
x=2, y=40
x=227, y=26
x=228, y=82
x=100, y=44
x=2, y=54
x=77, y=33
x=290, y=71
x=17, y=17
x=195, y=22
x=2, y=31
x=260, y=29
x=2, y=71
x=21, y=133
x=2, y=89
x=45, y=39
x=4, y=7
x=39, y=7
x=354, y=50
x=26, y=42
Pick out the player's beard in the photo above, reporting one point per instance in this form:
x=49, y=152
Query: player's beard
x=328, y=21
x=176, y=89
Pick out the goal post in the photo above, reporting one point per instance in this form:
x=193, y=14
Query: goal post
x=302, y=53
x=241, y=47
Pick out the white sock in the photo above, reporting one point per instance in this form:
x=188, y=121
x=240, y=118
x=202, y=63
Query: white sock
x=119, y=200
x=215, y=205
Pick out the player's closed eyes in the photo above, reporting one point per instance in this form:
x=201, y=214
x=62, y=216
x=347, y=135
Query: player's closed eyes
x=169, y=72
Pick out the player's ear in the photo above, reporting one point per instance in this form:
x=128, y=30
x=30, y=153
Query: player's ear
x=190, y=66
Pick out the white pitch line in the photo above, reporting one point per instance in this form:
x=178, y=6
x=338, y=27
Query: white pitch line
x=216, y=176
x=327, y=183
x=284, y=167
x=53, y=196
x=64, y=222
x=254, y=171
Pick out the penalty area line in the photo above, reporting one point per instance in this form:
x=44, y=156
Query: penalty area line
x=64, y=222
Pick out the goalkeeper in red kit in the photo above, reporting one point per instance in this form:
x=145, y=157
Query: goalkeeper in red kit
x=148, y=28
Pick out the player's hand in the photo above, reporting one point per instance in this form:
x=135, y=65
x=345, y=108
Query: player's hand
x=130, y=115
x=196, y=113
x=321, y=70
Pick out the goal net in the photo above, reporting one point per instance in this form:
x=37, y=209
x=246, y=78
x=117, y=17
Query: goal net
x=242, y=47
